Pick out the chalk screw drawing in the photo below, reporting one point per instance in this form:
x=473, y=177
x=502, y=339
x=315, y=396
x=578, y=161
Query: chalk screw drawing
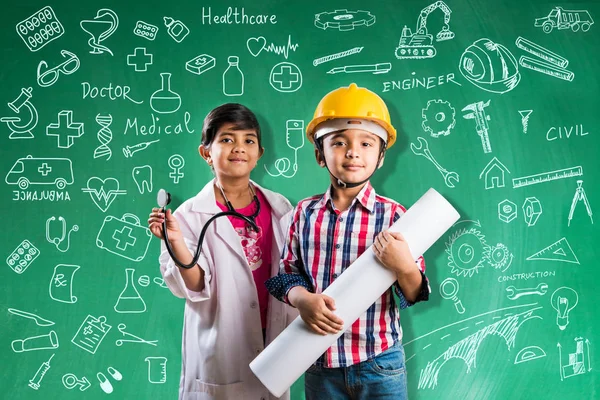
x=525, y=119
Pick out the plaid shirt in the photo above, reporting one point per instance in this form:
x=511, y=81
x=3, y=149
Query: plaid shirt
x=322, y=242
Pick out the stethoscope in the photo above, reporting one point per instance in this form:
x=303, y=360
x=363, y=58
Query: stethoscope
x=59, y=239
x=163, y=198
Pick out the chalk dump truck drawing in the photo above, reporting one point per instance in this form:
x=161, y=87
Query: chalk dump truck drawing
x=40, y=171
x=565, y=19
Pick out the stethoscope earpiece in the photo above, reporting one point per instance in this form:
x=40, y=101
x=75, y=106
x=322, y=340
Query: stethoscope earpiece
x=163, y=198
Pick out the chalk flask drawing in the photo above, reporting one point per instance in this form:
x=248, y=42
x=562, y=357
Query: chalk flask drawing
x=164, y=100
x=129, y=300
x=233, y=78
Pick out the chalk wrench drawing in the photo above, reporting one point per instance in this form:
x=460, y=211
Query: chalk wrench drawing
x=450, y=177
x=564, y=299
x=343, y=20
x=103, y=191
x=514, y=293
x=22, y=125
x=294, y=137
x=529, y=353
x=258, y=44
x=104, y=24
x=59, y=239
x=577, y=198
x=576, y=361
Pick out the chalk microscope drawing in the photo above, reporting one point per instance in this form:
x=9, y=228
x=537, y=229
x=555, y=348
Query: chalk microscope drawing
x=21, y=125
x=104, y=136
x=258, y=44
x=294, y=137
x=57, y=240
x=493, y=174
x=104, y=24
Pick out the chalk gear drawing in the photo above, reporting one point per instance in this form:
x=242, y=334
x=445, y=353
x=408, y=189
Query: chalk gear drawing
x=343, y=20
x=467, y=252
x=438, y=118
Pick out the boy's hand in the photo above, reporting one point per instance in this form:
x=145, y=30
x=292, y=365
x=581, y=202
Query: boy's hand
x=316, y=311
x=155, y=224
x=393, y=252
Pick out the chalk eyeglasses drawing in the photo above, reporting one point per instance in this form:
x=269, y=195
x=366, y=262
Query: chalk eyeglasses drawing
x=48, y=76
x=57, y=240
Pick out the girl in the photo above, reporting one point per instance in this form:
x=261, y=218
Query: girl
x=229, y=316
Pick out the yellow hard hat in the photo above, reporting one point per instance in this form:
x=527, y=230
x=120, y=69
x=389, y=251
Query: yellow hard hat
x=354, y=103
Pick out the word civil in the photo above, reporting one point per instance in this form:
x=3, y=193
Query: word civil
x=233, y=16
x=565, y=132
x=157, y=129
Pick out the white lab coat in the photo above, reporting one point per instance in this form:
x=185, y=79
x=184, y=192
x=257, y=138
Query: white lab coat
x=222, y=330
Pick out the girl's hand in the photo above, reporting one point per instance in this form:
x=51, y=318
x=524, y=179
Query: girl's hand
x=316, y=311
x=392, y=250
x=157, y=216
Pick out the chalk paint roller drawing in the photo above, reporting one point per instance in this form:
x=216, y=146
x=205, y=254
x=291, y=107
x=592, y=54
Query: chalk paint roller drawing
x=297, y=347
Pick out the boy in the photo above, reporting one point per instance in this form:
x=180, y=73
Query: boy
x=351, y=131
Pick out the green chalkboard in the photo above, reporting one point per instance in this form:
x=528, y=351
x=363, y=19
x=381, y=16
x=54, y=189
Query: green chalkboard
x=496, y=106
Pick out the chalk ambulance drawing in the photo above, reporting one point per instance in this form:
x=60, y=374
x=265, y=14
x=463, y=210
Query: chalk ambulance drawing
x=40, y=171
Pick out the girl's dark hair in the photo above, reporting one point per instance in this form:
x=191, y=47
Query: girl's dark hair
x=230, y=113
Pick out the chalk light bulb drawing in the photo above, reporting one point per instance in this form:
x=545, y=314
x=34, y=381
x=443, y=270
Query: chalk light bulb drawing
x=563, y=300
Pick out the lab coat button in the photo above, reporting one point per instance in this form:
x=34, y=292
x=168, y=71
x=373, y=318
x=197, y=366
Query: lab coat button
x=253, y=304
x=337, y=246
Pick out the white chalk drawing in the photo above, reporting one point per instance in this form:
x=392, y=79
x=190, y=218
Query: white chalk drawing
x=139, y=59
x=40, y=28
x=157, y=369
x=176, y=29
x=547, y=176
x=70, y=381
x=450, y=177
x=493, y=174
x=144, y=280
x=233, y=78
x=285, y=77
x=129, y=151
x=558, y=251
x=124, y=237
x=104, y=136
x=90, y=334
x=500, y=257
x=32, y=343
x=36, y=381
x=380, y=68
x=103, y=191
x=575, y=361
x=564, y=299
x=294, y=137
x=145, y=30
x=160, y=282
x=448, y=290
x=529, y=353
x=22, y=256
x=477, y=112
x=514, y=293
x=61, y=283
x=176, y=163
x=467, y=251
x=200, y=64
x=532, y=209
x=525, y=119
x=49, y=76
x=507, y=211
x=466, y=349
x=577, y=198
x=130, y=301
x=560, y=19
x=39, y=321
x=104, y=24
x=65, y=129
x=142, y=176
x=343, y=20
x=105, y=384
x=490, y=66
x=548, y=62
x=164, y=100
x=131, y=338
x=419, y=45
x=58, y=239
x=40, y=171
x=21, y=126
x=256, y=45
x=335, y=56
x=438, y=118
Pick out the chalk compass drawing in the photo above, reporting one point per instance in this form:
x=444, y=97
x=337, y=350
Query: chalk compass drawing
x=40, y=28
x=343, y=20
x=22, y=125
x=419, y=45
x=560, y=19
x=577, y=198
x=103, y=191
x=90, y=334
x=104, y=136
x=450, y=177
x=57, y=240
x=548, y=62
x=564, y=299
x=61, y=283
x=558, y=251
x=131, y=338
x=49, y=76
x=438, y=118
x=576, y=361
x=104, y=24
x=36, y=381
x=477, y=112
x=294, y=137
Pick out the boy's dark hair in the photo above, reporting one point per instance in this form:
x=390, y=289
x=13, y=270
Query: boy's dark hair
x=230, y=113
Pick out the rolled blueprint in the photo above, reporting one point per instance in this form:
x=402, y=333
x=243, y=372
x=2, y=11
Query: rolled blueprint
x=297, y=347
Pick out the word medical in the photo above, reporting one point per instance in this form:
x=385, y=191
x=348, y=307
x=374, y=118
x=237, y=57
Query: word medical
x=415, y=82
x=238, y=18
x=159, y=129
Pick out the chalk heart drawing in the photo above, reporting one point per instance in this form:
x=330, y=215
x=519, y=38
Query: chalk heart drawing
x=256, y=45
x=101, y=190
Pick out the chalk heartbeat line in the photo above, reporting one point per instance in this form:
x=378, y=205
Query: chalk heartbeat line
x=259, y=44
x=272, y=48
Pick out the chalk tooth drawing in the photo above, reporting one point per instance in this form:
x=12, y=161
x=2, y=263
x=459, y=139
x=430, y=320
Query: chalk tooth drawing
x=40, y=171
x=39, y=321
x=157, y=369
x=375, y=69
x=419, y=45
x=285, y=77
x=490, y=66
x=233, y=78
x=129, y=151
x=61, y=283
x=22, y=256
x=500, y=257
x=547, y=176
x=525, y=119
x=529, y=353
x=71, y=381
x=124, y=237
x=176, y=163
x=548, y=62
x=577, y=198
x=104, y=136
x=343, y=20
x=130, y=301
x=438, y=118
x=335, y=56
x=575, y=363
x=449, y=290
x=493, y=174
x=176, y=29
x=131, y=338
x=36, y=381
x=103, y=191
x=48, y=76
x=200, y=64
x=142, y=176
x=467, y=252
x=560, y=19
x=164, y=100
x=91, y=333
x=294, y=137
x=65, y=129
x=21, y=125
x=450, y=177
x=256, y=45
x=40, y=28
x=477, y=112
x=145, y=30
x=104, y=24
x=532, y=209
x=558, y=251
x=33, y=343
x=507, y=211
x=139, y=59
x=564, y=299
x=57, y=240
x=514, y=293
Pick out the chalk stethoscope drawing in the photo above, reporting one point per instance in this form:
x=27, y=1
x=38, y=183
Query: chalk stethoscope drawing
x=59, y=239
x=20, y=130
x=294, y=137
x=99, y=31
x=133, y=338
x=50, y=75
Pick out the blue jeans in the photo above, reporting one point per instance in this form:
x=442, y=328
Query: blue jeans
x=382, y=377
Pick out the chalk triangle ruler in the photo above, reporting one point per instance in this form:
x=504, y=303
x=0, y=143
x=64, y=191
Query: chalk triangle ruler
x=557, y=251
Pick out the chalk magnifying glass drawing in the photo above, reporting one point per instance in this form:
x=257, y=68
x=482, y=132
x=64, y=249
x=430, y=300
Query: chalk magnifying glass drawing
x=448, y=289
x=50, y=75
